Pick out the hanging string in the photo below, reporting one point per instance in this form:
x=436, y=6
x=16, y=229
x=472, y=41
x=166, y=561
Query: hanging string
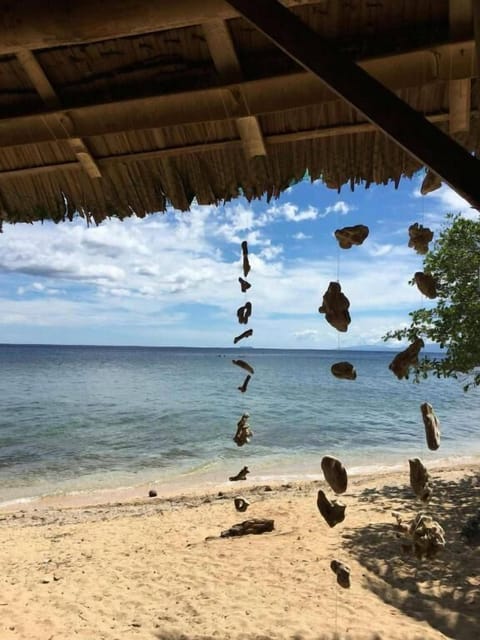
x=336, y=609
x=338, y=275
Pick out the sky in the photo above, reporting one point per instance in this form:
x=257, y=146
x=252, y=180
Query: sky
x=172, y=279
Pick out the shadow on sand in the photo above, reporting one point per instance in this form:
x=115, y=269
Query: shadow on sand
x=444, y=592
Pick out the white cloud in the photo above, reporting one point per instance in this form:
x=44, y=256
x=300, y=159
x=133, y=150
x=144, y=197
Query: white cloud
x=137, y=273
x=307, y=334
x=300, y=236
x=376, y=250
x=339, y=207
x=270, y=252
x=38, y=287
x=292, y=213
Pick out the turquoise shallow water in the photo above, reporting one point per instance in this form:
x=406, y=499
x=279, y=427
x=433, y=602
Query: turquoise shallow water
x=83, y=418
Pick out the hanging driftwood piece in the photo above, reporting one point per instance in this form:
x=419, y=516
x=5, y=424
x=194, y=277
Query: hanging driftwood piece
x=344, y=370
x=432, y=426
x=244, y=313
x=246, y=263
x=245, y=334
x=335, y=307
x=426, y=284
x=241, y=504
x=348, y=236
x=244, y=385
x=244, y=285
x=244, y=433
x=255, y=526
x=402, y=362
x=342, y=571
x=430, y=182
x=419, y=480
x=241, y=475
x=419, y=238
x=335, y=474
x=244, y=365
x=423, y=536
x=332, y=511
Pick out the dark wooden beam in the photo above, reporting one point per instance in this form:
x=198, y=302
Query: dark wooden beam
x=383, y=108
x=166, y=153
x=459, y=91
x=228, y=66
x=231, y=101
x=37, y=24
x=42, y=84
x=476, y=29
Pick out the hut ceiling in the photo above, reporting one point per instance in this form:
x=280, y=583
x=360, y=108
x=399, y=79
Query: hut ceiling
x=118, y=107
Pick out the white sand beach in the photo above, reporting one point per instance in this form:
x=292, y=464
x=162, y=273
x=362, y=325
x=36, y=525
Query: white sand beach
x=144, y=569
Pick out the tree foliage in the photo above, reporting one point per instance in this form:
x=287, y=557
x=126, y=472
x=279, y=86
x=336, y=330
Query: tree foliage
x=454, y=322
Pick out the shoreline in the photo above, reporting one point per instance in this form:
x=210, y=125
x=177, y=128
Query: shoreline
x=187, y=487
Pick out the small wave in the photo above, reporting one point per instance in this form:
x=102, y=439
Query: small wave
x=18, y=501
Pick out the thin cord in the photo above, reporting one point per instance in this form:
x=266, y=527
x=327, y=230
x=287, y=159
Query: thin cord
x=338, y=275
x=336, y=609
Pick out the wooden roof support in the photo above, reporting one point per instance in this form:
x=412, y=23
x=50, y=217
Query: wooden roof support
x=225, y=58
x=379, y=105
x=459, y=91
x=166, y=153
x=30, y=24
x=267, y=95
x=46, y=91
x=476, y=29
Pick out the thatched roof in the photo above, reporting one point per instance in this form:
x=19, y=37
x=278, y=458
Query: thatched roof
x=109, y=108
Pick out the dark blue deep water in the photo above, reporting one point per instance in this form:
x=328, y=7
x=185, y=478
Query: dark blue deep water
x=92, y=417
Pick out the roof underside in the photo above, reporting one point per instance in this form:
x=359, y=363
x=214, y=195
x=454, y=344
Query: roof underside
x=213, y=109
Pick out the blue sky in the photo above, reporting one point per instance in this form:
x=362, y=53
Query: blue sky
x=171, y=279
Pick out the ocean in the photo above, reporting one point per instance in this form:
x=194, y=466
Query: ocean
x=81, y=419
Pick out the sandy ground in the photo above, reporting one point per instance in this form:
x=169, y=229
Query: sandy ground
x=144, y=569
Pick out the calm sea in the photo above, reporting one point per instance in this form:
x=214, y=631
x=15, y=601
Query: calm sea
x=88, y=418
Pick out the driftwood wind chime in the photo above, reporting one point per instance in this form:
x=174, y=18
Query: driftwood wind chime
x=335, y=306
x=423, y=536
x=244, y=433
